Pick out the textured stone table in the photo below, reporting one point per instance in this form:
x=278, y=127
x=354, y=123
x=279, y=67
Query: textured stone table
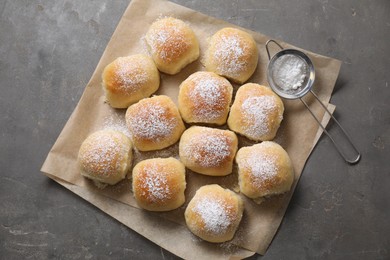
x=48, y=51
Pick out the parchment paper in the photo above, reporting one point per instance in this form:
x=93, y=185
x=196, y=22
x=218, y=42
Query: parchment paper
x=297, y=135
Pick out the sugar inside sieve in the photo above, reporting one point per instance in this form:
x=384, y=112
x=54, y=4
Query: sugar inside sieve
x=291, y=75
x=294, y=66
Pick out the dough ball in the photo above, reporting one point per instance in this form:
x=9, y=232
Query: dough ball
x=214, y=213
x=256, y=112
x=264, y=169
x=129, y=79
x=172, y=44
x=155, y=123
x=208, y=151
x=159, y=184
x=105, y=156
x=232, y=53
x=205, y=97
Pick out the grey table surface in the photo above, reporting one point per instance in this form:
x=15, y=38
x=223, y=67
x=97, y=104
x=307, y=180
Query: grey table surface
x=48, y=51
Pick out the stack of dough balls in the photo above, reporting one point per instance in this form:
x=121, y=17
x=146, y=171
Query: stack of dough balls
x=256, y=112
x=214, y=213
x=172, y=44
x=155, y=123
x=129, y=79
x=159, y=184
x=205, y=97
x=105, y=156
x=208, y=151
x=232, y=53
x=264, y=170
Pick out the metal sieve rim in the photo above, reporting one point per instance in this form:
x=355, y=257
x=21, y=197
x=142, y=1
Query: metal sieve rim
x=311, y=76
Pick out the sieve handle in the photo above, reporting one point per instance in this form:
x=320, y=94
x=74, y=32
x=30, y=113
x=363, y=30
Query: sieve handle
x=350, y=161
x=266, y=47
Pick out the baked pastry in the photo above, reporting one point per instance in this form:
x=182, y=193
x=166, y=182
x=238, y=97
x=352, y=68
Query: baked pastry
x=214, y=213
x=105, y=156
x=172, y=44
x=209, y=151
x=264, y=169
x=256, y=112
x=205, y=97
x=159, y=184
x=232, y=53
x=129, y=79
x=155, y=123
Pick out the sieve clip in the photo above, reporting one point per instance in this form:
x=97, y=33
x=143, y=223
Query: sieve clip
x=302, y=93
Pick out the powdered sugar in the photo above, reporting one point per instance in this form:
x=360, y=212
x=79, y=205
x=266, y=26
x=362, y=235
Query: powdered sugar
x=155, y=183
x=131, y=73
x=209, y=100
x=151, y=122
x=101, y=157
x=263, y=167
x=116, y=122
x=289, y=72
x=214, y=213
x=167, y=39
x=255, y=112
x=229, y=52
x=208, y=149
x=262, y=164
x=208, y=89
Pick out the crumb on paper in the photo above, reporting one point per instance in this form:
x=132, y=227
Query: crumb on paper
x=99, y=185
x=258, y=201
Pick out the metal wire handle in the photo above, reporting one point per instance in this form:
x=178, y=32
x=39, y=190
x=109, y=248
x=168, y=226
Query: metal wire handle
x=266, y=47
x=350, y=161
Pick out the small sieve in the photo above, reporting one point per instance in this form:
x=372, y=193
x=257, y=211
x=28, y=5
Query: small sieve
x=304, y=88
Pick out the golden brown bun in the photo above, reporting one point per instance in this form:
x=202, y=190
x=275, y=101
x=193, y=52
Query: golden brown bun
x=159, y=184
x=232, y=53
x=205, y=97
x=105, y=156
x=154, y=123
x=129, y=79
x=214, y=213
x=264, y=169
x=172, y=44
x=256, y=112
x=208, y=151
